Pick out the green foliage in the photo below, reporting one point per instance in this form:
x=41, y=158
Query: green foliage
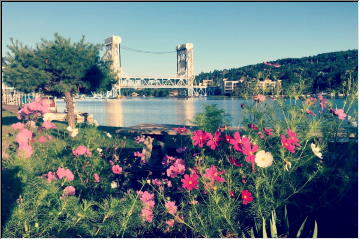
x=323, y=72
x=212, y=118
x=57, y=66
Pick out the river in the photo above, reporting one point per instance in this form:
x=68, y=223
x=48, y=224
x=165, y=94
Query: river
x=138, y=110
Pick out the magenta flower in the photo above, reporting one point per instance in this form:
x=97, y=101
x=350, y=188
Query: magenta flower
x=292, y=138
x=140, y=139
x=268, y=131
x=96, y=177
x=253, y=126
x=190, y=182
x=69, y=191
x=213, y=142
x=340, y=113
x=236, y=142
x=82, y=150
x=249, y=150
x=228, y=138
x=171, y=207
x=287, y=144
x=246, y=197
x=181, y=130
x=213, y=175
x=18, y=126
x=48, y=125
x=234, y=162
x=200, y=137
x=116, y=169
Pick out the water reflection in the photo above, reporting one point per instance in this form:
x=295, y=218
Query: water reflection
x=185, y=111
x=114, y=113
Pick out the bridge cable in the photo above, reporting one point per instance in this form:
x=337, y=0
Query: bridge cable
x=144, y=51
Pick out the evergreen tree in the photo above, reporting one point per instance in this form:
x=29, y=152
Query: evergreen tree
x=59, y=68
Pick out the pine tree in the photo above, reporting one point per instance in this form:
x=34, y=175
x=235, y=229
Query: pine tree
x=59, y=68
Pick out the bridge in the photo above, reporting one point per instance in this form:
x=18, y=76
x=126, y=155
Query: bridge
x=183, y=81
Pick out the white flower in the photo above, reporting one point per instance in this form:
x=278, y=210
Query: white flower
x=108, y=134
x=96, y=123
x=74, y=132
x=114, y=184
x=316, y=150
x=69, y=128
x=99, y=150
x=263, y=159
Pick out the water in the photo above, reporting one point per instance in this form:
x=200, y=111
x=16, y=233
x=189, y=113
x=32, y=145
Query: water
x=137, y=110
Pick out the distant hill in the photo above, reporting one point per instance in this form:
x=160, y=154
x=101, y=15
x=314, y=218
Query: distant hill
x=323, y=72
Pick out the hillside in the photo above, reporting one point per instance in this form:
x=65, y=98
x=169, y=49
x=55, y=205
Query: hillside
x=323, y=72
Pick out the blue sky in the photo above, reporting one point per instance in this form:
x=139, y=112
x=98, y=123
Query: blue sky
x=225, y=35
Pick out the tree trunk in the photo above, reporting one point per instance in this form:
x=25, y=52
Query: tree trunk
x=70, y=117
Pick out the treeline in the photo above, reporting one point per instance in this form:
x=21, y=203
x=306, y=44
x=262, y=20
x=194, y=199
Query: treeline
x=321, y=73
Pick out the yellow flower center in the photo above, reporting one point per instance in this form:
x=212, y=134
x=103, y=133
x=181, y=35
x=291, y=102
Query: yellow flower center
x=190, y=182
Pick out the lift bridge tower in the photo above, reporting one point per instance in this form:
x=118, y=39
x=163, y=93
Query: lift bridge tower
x=184, y=78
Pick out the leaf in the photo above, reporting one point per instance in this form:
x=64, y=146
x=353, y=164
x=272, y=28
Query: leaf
x=301, y=228
x=273, y=230
x=252, y=235
x=287, y=225
x=315, y=234
x=264, y=228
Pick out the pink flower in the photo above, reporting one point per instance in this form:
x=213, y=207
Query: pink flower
x=310, y=112
x=292, y=137
x=178, y=168
x=147, y=214
x=200, y=137
x=236, y=142
x=181, y=149
x=62, y=172
x=31, y=124
x=310, y=101
x=228, y=138
x=48, y=125
x=259, y=98
x=51, y=176
x=96, y=177
x=18, y=126
x=146, y=196
x=213, y=175
x=268, y=131
x=249, y=150
x=181, y=130
x=286, y=144
x=140, y=139
x=25, y=150
x=213, y=143
x=111, y=163
x=82, y=150
x=253, y=126
x=69, y=191
x=42, y=139
x=190, y=182
x=49, y=137
x=323, y=101
x=171, y=207
x=246, y=197
x=340, y=113
x=23, y=136
x=170, y=222
x=116, y=169
x=156, y=182
x=261, y=135
x=138, y=154
x=234, y=162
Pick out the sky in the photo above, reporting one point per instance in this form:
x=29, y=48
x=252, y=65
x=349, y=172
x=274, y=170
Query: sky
x=225, y=35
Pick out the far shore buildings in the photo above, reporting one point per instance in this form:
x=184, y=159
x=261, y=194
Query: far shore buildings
x=266, y=86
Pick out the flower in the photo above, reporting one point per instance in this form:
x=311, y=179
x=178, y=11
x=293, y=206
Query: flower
x=316, y=150
x=99, y=150
x=18, y=126
x=48, y=125
x=138, y=154
x=213, y=175
x=246, y=197
x=51, y=176
x=156, y=182
x=234, y=162
x=242, y=105
x=69, y=191
x=62, y=172
x=323, y=101
x=232, y=194
x=287, y=144
x=147, y=214
x=228, y=138
x=310, y=112
x=25, y=150
x=292, y=137
x=23, y=136
x=96, y=177
x=170, y=222
x=148, y=203
x=268, y=131
x=177, y=168
x=200, y=137
x=253, y=126
x=259, y=98
x=190, y=182
x=236, y=142
x=213, y=143
x=114, y=184
x=140, y=139
x=263, y=159
x=171, y=207
x=116, y=169
x=261, y=135
x=42, y=139
x=181, y=149
x=181, y=130
x=340, y=113
x=73, y=131
x=82, y=150
x=287, y=165
x=249, y=149
x=108, y=135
